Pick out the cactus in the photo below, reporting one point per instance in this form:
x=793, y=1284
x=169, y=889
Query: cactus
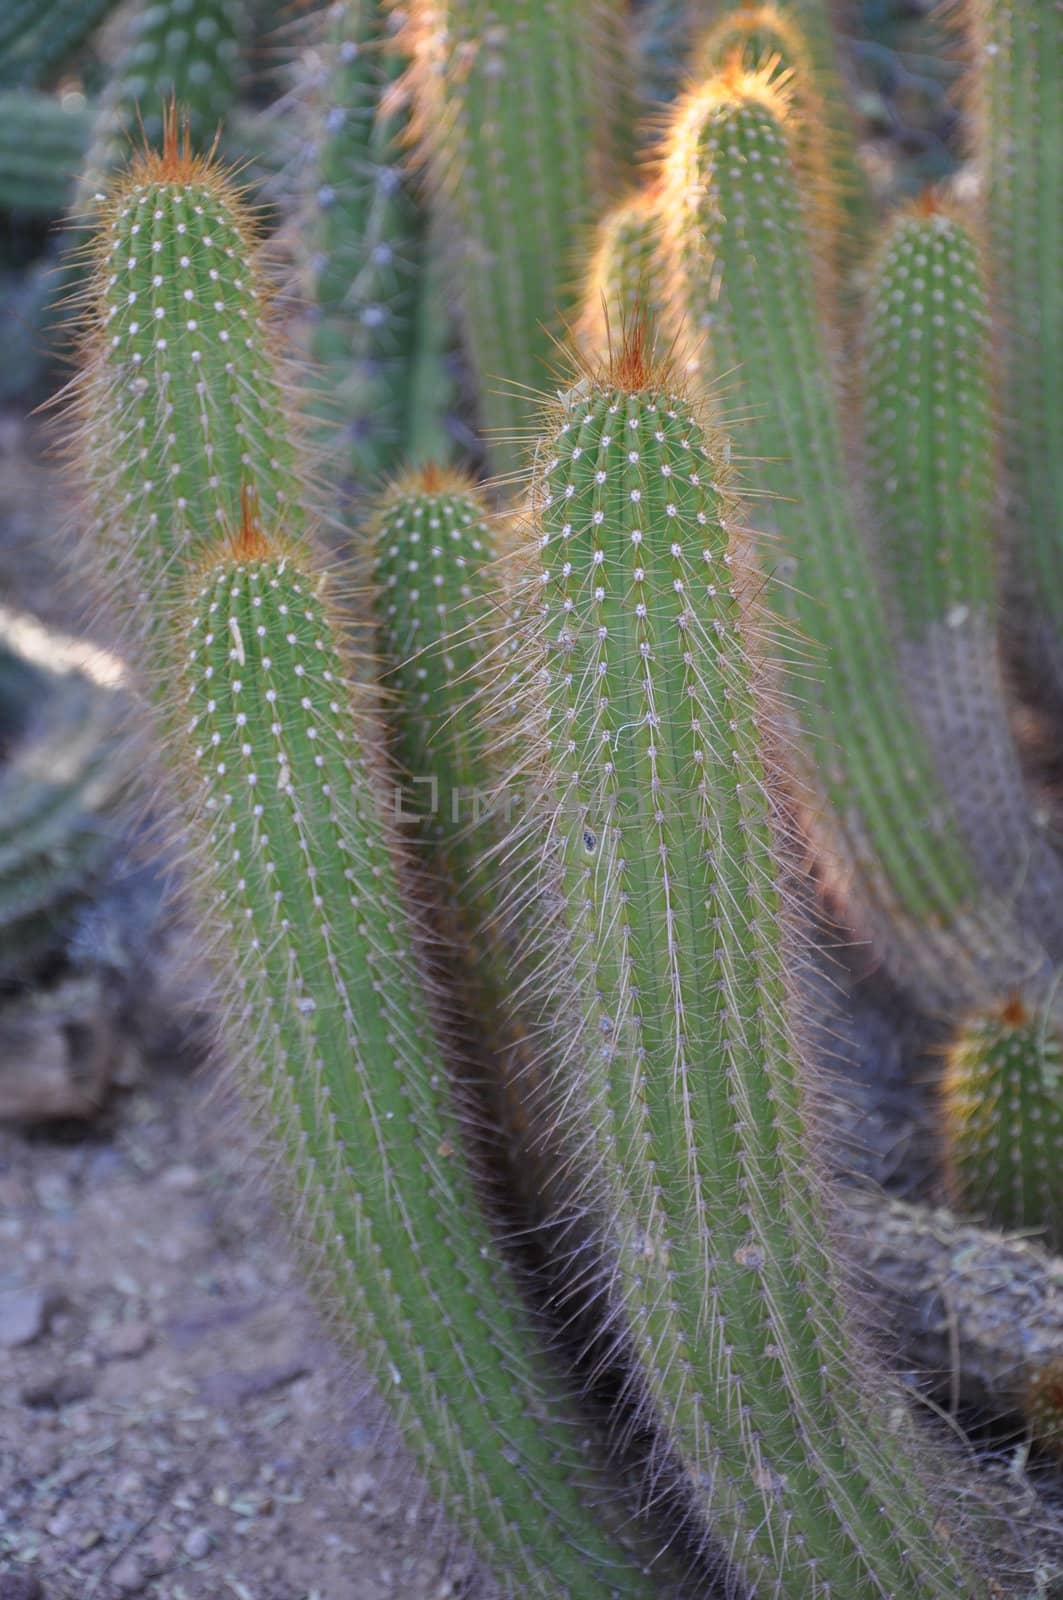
x=42, y=142
x=755, y=37
x=1002, y=1119
x=625, y=277
x=931, y=469
x=740, y=260
x=373, y=292
x=515, y=103
x=659, y=822
x=179, y=403
x=1018, y=106
x=288, y=817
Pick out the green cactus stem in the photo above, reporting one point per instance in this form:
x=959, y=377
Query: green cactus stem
x=1018, y=93
x=931, y=458
x=516, y=113
x=285, y=808
x=1002, y=1119
x=443, y=627
x=370, y=283
x=42, y=145
x=182, y=404
x=815, y=20
x=739, y=254
x=757, y=37
x=625, y=278
x=659, y=834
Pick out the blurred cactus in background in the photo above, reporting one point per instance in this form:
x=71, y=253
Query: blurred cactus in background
x=530, y=818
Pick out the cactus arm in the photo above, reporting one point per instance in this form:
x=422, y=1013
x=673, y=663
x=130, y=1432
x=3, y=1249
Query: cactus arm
x=300, y=873
x=516, y=127
x=749, y=279
x=671, y=949
x=625, y=277
x=181, y=402
x=931, y=458
x=369, y=241
x=1018, y=93
x=1002, y=1119
x=42, y=145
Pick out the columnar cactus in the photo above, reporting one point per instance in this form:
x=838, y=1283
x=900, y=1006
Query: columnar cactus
x=286, y=811
x=181, y=404
x=369, y=278
x=665, y=961
x=931, y=456
x=625, y=279
x=1002, y=1119
x=741, y=265
x=516, y=103
x=1018, y=105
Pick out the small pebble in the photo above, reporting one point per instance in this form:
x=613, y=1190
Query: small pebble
x=184, y=1178
x=25, y=1315
x=196, y=1544
x=57, y=1389
x=128, y=1575
x=125, y=1341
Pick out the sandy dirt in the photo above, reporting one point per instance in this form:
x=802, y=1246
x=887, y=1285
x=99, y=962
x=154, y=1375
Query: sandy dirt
x=176, y=1423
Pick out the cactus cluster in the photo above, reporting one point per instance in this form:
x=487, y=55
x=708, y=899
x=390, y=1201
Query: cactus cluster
x=495, y=826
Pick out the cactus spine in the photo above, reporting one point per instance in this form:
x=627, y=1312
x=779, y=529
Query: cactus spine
x=1019, y=106
x=1002, y=1119
x=180, y=403
x=741, y=265
x=517, y=129
x=371, y=284
x=931, y=456
x=661, y=828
